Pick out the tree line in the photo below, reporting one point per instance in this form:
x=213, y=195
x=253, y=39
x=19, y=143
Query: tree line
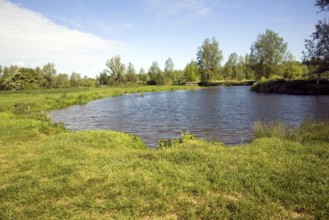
x=268, y=58
x=23, y=78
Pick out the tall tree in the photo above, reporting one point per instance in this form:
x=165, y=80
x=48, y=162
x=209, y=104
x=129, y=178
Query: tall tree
x=103, y=78
x=75, y=79
x=49, y=73
x=248, y=71
x=240, y=67
x=267, y=52
x=131, y=74
x=143, y=76
x=155, y=73
x=191, y=72
x=291, y=68
x=169, y=66
x=116, y=69
x=230, y=67
x=168, y=71
x=209, y=58
x=317, y=48
x=61, y=81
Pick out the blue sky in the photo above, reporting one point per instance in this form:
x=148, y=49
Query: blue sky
x=80, y=35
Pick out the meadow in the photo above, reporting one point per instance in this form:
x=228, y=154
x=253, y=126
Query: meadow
x=48, y=172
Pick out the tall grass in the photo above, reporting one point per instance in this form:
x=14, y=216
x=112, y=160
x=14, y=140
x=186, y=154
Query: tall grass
x=309, y=131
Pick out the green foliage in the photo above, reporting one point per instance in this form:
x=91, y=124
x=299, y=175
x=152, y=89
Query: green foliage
x=49, y=73
x=209, y=58
x=131, y=74
x=234, y=68
x=169, y=143
x=61, y=81
x=155, y=74
x=309, y=131
x=18, y=78
x=21, y=108
x=169, y=66
x=191, y=72
x=75, y=80
x=302, y=87
x=116, y=70
x=317, y=49
x=272, y=129
x=266, y=53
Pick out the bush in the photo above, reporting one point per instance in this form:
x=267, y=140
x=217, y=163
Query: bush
x=301, y=87
x=22, y=108
x=169, y=143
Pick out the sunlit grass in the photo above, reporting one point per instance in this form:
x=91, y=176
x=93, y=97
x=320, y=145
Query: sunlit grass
x=60, y=98
x=47, y=172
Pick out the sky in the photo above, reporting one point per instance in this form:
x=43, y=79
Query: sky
x=81, y=35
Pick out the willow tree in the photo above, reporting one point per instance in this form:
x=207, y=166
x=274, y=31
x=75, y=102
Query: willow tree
x=267, y=53
x=209, y=58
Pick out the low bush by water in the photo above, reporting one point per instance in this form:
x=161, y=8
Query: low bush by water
x=300, y=87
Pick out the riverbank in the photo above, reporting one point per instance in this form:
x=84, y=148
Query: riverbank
x=228, y=83
x=48, y=172
x=298, y=87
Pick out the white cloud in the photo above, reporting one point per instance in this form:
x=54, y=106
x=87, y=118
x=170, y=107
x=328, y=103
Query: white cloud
x=31, y=38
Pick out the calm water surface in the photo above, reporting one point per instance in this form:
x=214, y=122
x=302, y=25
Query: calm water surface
x=226, y=114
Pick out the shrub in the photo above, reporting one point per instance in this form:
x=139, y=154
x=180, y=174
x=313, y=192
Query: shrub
x=22, y=108
x=169, y=143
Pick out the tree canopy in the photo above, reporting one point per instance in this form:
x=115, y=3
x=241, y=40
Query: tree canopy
x=267, y=52
x=317, y=48
x=209, y=58
x=191, y=72
x=116, y=69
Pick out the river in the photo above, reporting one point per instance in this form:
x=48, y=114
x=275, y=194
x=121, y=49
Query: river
x=225, y=114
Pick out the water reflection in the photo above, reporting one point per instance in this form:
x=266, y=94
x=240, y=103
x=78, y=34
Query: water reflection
x=226, y=114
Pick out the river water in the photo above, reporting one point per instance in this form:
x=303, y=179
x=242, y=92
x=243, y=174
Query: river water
x=225, y=114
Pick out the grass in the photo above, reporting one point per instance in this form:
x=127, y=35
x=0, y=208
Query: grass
x=41, y=100
x=47, y=172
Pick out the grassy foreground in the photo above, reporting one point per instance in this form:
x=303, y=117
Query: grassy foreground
x=47, y=172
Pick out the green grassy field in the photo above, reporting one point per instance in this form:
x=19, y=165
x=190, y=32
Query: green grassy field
x=47, y=172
